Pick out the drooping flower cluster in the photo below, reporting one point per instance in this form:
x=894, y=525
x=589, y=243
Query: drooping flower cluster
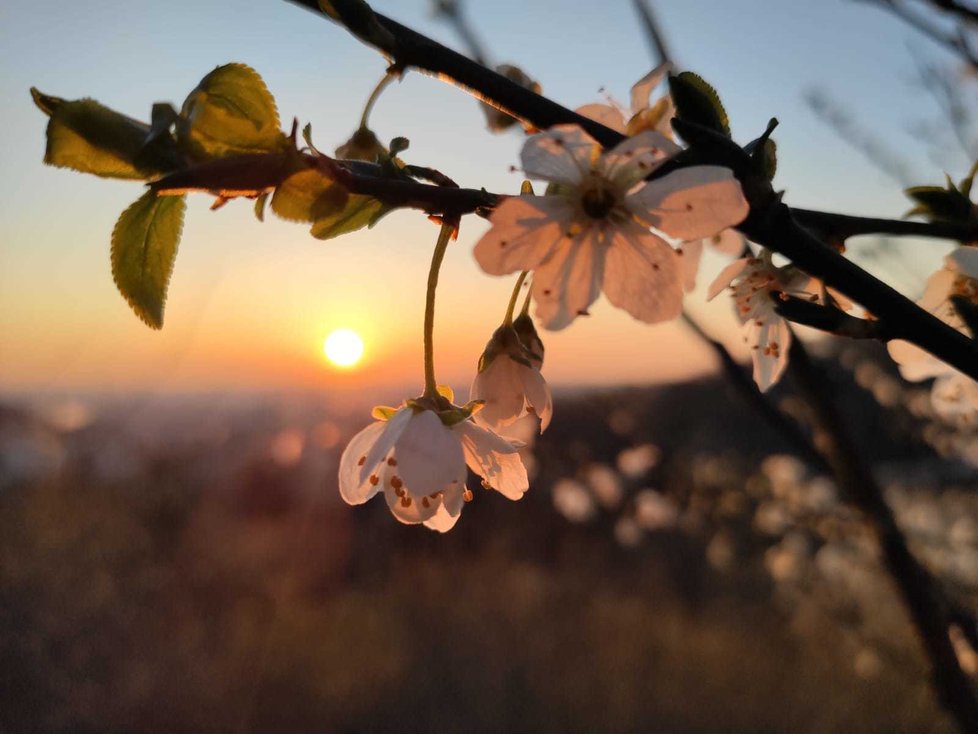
x=954, y=395
x=509, y=382
x=593, y=233
x=417, y=456
x=755, y=282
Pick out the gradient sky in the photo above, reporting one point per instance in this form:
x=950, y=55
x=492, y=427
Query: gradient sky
x=250, y=303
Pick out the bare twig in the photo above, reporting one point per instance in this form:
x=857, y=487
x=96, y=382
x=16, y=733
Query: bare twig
x=954, y=42
x=836, y=228
x=451, y=11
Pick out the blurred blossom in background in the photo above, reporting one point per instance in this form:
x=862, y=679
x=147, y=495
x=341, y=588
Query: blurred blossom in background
x=174, y=553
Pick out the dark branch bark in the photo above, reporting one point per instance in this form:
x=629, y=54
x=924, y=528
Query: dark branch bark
x=771, y=224
x=828, y=319
x=836, y=228
x=778, y=231
x=786, y=428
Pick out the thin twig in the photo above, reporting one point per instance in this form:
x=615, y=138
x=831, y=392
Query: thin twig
x=786, y=428
x=451, y=11
x=952, y=42
x=836, y=228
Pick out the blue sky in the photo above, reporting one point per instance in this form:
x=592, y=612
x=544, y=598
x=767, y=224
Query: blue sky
x=249, y=301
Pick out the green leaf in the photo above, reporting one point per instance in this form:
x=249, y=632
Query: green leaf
x=697, y=102
x=360, y=211
x=310, y=196
x=91, y=138
x=765, y=157
x=144, y=247
x=940, y=204
x=307, y=196
x=231, y=111
x=966, y=183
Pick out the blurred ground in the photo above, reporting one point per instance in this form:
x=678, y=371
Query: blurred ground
x=187, y=565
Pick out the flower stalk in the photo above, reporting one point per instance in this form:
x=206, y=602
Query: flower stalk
x=448, y=228
x=508, y=321
x=374, y=96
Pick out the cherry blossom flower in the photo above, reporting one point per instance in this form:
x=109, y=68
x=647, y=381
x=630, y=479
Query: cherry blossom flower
x=510, y=384
x=643, y=115
x=728, y=242
x=592, y=234
x=419, y=462
x=954, y=395
x=755, y=282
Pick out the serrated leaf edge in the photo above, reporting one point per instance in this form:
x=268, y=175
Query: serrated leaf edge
x=137, y=308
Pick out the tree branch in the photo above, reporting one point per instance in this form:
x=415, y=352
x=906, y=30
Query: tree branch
x=837, y=228
x=828, y=319
x=954, y=43
x=770, y=223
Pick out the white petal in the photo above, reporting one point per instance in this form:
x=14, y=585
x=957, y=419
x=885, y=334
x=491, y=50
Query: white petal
x=691, y=254
x=493, y=458
x=965, y=259
x=729, y=242
x=384, y=444
x=502, y=389
x=561, y=154
x=937, y=290
x=636, y=157
x=915, y=364
x=641, y=275
x=605, y=114
x=525, y=230
x=642, y=89
x=429, y=455
x=449, y=511
x=415, y=511
x=769, y=341
x=538, y=395
x=569, y=281
x=726, y=277
x=691, y=203
x=353, y=489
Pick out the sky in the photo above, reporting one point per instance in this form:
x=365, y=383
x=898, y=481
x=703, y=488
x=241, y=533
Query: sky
x=250, y=303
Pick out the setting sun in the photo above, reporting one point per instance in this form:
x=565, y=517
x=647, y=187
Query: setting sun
x=343, y=347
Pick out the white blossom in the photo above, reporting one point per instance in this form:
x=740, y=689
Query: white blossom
x=643, y=114
x=592, y=234
x=510, y=384
x=419, y=463
x=728, y=242
x=954, y=395
x=755, y=282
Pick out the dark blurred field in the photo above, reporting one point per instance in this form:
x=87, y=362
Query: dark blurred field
x=186, y=565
